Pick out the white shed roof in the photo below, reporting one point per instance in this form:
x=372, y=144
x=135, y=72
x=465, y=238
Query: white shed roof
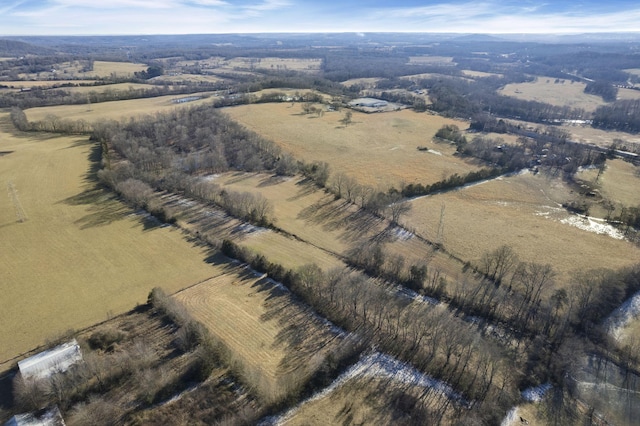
x=46, y=363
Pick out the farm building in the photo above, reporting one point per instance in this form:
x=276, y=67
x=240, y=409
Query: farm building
x=368, y=103
x=48, y=417
x=46, y=363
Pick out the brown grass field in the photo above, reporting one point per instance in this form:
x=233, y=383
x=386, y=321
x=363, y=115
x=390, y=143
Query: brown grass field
x=377, y=149
x=429, y=60
x=252, y=317
x=358, y=401
x=523, y=212
x=480, y=74
x=325, y=223
x=619, y=183
x=563, y=93
x=19, y=84
x=115, y=110
x=601, y=137
x=80, y=255
x=101, y=69
x=119, y=87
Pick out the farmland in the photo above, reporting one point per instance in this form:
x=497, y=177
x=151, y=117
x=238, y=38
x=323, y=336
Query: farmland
x=265, y=252
x=246, y=312
x=377, y=150
x=115, y=110
x=80, y=255
x=554, y=91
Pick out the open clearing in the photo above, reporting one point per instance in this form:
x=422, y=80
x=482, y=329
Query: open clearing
x=523, y=212
x=75, y=70
x=379, y=150
x=80, y=255
x=115, y=110
x=619, y=183
x=274, y=340
x=562, y=93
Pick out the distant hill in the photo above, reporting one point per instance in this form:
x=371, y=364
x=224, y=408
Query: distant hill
x=477, y=38
x=11, y=48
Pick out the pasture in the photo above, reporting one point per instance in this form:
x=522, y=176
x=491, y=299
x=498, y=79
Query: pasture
x=114, y=110
x=524, y=212
x=80, y=70
x=619, y=183
x=430, y=60
x=220, y=64
x=274, y=342
x=555, y=92
x=379, y=150
x=79, y=255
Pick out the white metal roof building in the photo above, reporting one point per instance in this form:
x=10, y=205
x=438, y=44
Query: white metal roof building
x=55, y=360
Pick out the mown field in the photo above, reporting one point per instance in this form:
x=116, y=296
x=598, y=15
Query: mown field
x=273, y=340
x=80, y=255
x=379, y=150
x=619, y=182
x=560, y=93
x=115, y=110
x=77, y=70
x=523, y=212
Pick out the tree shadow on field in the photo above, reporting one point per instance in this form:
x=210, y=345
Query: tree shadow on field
x=339, y=215
x=103, y=206
x=306, y=187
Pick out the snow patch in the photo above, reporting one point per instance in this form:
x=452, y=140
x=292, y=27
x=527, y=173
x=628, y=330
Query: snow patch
x=374, y=365
x=209, y=178
x=621, y=317
x=247, y=228
x=592, y=225
x=535, y=394
x=433, y=151
x=511, y=417
x=403, y=234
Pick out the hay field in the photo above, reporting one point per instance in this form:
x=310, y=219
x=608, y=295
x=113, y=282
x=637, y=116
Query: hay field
x=366, y=82
x=619, y=183
x=430, y=60
x=189, y=78
x=563, y=93
x=115, y=110
x=74, y=69
x=523, y=212
x=325, y=223
x=20, y=84
x=118, y=87
x=480, y=74
x=600, y=137
x=272, y=339
x=80, y=255
x=379, y=150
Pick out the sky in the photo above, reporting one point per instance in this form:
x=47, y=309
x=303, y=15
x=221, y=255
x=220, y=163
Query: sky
x=132, y=17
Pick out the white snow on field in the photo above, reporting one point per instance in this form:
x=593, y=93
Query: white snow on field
x=621, y=317
x=403, y=234
x=535, y=394
x=511, y=417
x=433, y=151
x=247, y=228
x=376, y=365
x=593, y=225
x=208, y=178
